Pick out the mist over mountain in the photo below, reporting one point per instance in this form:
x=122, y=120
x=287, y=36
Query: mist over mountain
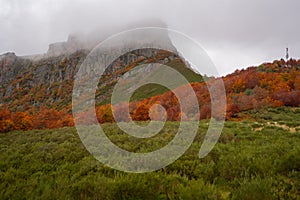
x=88, y=40
x=47, y=79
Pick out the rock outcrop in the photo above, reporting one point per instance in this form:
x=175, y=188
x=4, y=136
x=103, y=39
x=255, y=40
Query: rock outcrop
x=47, y=80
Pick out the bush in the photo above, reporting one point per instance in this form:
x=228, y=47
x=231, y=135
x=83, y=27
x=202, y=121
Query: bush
x=248, y=92
x=255, y=189
x=197, y=189
x=289, y=162
x=54, y=164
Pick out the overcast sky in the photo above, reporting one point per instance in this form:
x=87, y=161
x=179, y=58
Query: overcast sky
x=235, y=33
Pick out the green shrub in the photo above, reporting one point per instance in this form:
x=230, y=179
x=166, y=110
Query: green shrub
x=139, y=186
x=289, y=162
x=255, y=189
x=197, y=189
x=297, y=111
x=248, y=92
x=54, y=164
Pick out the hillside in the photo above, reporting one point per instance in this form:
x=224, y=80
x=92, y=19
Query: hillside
x=252, y=160
x=269, y=85
x=256, y=157
x=48, y=82
x=42, y=90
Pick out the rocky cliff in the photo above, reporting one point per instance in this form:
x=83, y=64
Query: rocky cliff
x=47, y=80
x=26, y=83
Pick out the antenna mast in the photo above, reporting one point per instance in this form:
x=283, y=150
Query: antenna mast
x=287, y=54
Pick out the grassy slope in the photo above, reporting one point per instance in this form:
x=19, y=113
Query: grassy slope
x=151, y=90
x=246, y=163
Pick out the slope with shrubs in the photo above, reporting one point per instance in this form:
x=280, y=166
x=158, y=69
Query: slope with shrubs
x=269, y=85
x=246, y=163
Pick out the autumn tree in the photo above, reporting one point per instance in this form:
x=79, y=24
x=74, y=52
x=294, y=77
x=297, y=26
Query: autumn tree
x=141, y=113
x=6, y=123
x=22, y=121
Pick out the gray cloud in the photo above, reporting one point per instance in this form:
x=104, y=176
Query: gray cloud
x=235, y=33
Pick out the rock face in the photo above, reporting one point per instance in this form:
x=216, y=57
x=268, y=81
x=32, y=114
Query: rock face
x=73, y=44
x=48, y=80
x=11, y=66
x=25, y=83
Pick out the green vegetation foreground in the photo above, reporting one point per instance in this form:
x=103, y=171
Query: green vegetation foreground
x=254, y=159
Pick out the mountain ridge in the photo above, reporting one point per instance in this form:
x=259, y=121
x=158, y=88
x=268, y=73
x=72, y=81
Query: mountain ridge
x=272, y=84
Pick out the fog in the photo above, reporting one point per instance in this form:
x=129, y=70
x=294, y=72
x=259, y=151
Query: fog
x=235, y=33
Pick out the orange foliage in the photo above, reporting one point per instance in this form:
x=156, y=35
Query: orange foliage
x=269, y=85
x=104, y=114
x=6, y=123
x=22, y=121
x=141, y=113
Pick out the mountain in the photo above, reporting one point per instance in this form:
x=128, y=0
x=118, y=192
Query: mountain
x=88, y=40
x=268, y=85
x=273, y=84
x=47, y=80
x=44, y=83
x=39, y=87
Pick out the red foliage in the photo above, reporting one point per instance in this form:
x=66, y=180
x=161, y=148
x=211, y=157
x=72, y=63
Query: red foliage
x=205, y=112
x=269, y=85
x=288, y=98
